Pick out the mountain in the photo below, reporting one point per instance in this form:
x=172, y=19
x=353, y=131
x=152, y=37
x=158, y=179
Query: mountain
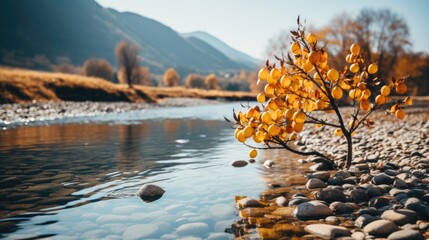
x=37, y=33
x=230, y=52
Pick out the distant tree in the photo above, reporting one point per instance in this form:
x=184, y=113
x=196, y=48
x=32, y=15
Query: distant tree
x=127, y=56
x=382, y=34
x=194, y=81
x=66, y=68
x=64, y=65
x=97, y=67
x=211, y=82
x=139, y=76
x=171, y=78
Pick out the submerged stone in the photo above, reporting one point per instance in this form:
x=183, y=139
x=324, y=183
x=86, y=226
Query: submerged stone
x=150, y=192
x=327, y=231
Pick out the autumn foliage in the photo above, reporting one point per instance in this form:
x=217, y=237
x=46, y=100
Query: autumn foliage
x=302, y=87
x=171, y=78
x=194, y=81
x=98, y=68
x=211, y=82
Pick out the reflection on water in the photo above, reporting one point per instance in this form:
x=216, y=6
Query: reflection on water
x=53, y=178
x=77, y=181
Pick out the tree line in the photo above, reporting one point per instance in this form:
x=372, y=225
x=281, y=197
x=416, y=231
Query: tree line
x=130, y=71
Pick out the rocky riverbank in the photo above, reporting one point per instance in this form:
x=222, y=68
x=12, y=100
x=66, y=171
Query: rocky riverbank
x=384, y=194
x=29, y=113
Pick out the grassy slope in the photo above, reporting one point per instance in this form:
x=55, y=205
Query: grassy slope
x=20, y=86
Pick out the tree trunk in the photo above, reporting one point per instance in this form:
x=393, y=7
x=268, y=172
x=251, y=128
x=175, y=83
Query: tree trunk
x=349, y=150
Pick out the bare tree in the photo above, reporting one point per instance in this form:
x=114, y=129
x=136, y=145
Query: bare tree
x=97, y=67
x=127, y=56
x=171, y=78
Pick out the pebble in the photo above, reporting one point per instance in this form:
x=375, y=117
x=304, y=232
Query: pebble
x=141, y=231
x=322, y=176
x=382, y=178
x=330, y=195
x=239, y=163
x=268, y=163
x=399, y=183
x=319, y=167
x=406, y=235
x=341, y=208
x=315, y=183
x=312, y=210
x=332, y=220
x=196, y=228
x=380, y=228
x=281, y=201
x=358, y=195
x=327, y=231
x=220, y=236
x=248, y=202
x=399, y=216
x=364, y=219
x=150, y=192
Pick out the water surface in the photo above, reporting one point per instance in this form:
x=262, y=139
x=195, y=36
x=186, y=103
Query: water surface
x=75, y=178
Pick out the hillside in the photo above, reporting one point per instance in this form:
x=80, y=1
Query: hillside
x=227, y=50
x=23, y=86
x=34, y=34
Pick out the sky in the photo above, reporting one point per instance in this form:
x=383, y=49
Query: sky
x=248, y=25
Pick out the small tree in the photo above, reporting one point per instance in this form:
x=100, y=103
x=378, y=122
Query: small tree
x=194, y=81
x=171, y=78
x=211, y=82
x=127, y=56
x=97, y=67
x=303, y=85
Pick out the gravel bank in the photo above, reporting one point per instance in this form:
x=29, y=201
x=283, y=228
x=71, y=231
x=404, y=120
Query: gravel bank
x=384, y=194
x=27, y=114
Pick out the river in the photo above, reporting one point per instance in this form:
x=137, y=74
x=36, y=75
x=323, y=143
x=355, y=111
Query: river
x=76, y=178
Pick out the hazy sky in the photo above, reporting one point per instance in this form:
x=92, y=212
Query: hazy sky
x=248, y=25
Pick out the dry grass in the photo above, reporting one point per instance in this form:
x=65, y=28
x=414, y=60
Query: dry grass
x=21, y=86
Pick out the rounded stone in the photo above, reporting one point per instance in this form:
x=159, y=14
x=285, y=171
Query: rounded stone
x=323, y=176
x=400, y=216
x=327, y=231
x=358, y=195
x=314, y=183
x=399, y=183
x=406, y=235
x=382, y=178
x=332, y=220
x=281, y=201
x=197, y=228
x=239, y=163
x=150, y=192
x=312, y=210
x=364, y=220
x=341, y=208
x=380, y=228
x=141, y=231
x=248, y=202
x=330, y=195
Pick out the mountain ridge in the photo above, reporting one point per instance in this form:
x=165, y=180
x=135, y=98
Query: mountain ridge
x=83, y=29
x=227, y=50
